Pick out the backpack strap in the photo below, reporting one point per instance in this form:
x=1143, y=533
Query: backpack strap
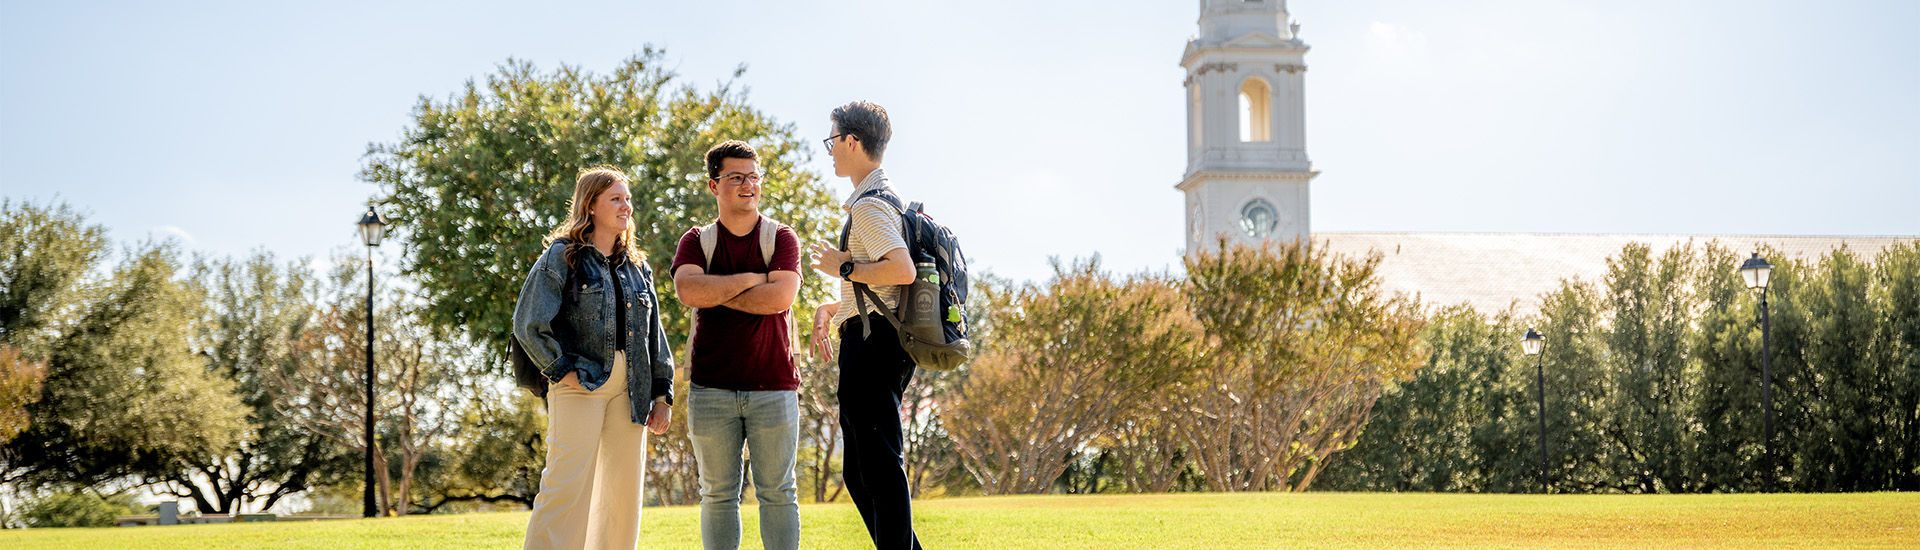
x=710, y=242
x=891, y=200
x=769, y=235
x=861, y=291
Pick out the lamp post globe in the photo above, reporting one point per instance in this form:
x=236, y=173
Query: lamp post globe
x=373, y=227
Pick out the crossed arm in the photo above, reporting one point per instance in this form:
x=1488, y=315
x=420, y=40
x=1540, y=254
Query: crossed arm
x=756, y=293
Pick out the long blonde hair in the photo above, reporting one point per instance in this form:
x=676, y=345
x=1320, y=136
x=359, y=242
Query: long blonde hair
x=578, y=229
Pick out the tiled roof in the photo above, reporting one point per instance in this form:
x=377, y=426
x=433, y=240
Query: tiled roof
x=1490, y=271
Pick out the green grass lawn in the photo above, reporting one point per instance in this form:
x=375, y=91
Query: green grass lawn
x=1200, y=521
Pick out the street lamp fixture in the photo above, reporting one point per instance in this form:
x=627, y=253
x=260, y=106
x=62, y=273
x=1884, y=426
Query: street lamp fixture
x=1531, y=344
x=373, y=226
x=1758, y=273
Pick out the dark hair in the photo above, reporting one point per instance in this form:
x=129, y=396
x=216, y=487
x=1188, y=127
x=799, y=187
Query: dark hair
x=730, y=149
x=866, y=121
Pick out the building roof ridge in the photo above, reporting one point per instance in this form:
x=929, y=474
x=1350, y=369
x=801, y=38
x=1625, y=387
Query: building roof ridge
x=1570, y=234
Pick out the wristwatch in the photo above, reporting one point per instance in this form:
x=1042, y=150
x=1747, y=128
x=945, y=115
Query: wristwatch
x=846, y=269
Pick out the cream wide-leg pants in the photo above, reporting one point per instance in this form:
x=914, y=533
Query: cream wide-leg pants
x=596, y=467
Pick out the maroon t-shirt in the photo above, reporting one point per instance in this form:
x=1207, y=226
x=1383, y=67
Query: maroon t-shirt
x=733, y=349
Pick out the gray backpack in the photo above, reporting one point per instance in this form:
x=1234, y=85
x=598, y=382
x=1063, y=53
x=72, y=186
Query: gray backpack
x=710, y=241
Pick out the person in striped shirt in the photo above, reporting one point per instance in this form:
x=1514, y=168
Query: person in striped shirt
x=874, y=369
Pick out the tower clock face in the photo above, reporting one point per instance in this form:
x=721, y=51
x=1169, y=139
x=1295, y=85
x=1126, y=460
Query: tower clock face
x=1258, y=218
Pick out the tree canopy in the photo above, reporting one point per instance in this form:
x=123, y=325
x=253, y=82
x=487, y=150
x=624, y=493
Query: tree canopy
x=477, y=180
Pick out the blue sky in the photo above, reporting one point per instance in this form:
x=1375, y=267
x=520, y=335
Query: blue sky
x=1035, y=129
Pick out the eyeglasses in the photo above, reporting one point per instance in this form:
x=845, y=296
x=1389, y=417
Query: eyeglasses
x=737, y=179
x=829, y=141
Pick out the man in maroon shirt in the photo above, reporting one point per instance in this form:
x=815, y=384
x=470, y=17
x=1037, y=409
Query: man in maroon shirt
x=742, y=273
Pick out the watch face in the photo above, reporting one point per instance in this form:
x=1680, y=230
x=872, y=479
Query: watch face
x=1258, y=218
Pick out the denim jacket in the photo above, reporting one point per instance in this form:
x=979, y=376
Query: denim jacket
x=576, y=334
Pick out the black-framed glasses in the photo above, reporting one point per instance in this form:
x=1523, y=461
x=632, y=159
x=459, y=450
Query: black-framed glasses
x=829, y=140
x=736, y=179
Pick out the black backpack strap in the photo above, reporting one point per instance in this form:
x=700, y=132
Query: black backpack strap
x=888, y=196
x=861, y=292
x=847, y=229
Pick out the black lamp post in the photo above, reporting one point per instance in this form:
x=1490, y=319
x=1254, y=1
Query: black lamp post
x=1531, y=343
x=372, y=227
x=1758, y=273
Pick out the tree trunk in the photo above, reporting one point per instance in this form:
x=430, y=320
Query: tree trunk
x=825, y=473
x=409, y=461
x=383, y=481
x=200, y=502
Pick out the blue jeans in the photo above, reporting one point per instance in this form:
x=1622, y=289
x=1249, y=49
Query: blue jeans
x=768, y=424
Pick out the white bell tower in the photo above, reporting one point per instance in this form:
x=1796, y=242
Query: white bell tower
x=1247, y=166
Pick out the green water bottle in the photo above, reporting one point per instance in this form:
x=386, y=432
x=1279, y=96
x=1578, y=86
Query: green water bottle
x=923, y=312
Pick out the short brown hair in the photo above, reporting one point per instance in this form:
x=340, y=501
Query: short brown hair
x=866, y=121
x=729, y=149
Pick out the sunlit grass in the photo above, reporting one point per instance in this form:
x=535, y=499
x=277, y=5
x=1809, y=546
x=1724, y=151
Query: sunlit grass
x=1198, y=521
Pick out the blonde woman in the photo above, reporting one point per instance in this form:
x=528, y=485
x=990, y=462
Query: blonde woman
x=589, y=318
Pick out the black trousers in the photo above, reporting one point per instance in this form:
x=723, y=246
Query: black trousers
x=874, y=372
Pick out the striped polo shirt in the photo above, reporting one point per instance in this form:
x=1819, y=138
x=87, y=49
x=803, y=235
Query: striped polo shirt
x=876, y=231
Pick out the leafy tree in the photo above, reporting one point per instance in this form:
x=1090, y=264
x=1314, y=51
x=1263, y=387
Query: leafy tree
x=1301, y=345
x=1654, y=383
x=1843, y=448
x=79, y=509
x=930, y=452
x=124, y=394
x=1441, y=430
x=497, y=455
x=1897, y=289
x=19, y=386
x=1793, y=376
x=1066, y=360
x=819, y=430
x=934, y=460
x=417, y=366
x=476, y=181
x=1727, y=407
x=1651, y=305
x=672, y=473
x=424, y=366
x=45, y=251
x=1145, y=453
x=255, y=312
